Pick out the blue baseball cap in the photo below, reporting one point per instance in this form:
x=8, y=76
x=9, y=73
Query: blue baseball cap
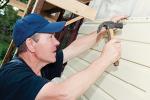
x=31, y=24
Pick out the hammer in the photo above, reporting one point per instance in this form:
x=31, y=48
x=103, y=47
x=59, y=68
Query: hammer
x=110, y=25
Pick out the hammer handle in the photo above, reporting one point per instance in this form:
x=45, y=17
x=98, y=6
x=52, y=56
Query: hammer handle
x=111, y=33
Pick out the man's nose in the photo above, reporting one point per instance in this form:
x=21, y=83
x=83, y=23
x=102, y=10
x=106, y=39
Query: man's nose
x=56, y=42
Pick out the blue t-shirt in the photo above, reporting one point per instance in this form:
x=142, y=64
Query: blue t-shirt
x=19, y=82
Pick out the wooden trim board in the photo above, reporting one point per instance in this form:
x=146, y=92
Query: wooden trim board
x=18, y=4
x=75, y=7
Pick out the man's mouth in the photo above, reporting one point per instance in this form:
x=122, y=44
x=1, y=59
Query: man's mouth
x=54, y=52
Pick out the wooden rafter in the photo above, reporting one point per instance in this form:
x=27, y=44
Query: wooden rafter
x=75, y=7
x=18, y=4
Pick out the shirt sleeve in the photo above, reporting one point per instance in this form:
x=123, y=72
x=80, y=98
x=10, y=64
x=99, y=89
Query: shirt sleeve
x=53, y=70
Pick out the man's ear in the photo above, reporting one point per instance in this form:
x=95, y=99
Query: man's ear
x=30, y=43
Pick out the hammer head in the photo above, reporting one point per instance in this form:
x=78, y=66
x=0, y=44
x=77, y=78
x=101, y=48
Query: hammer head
x=110, y=25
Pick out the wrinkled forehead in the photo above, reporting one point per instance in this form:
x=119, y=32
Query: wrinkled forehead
x=40, y=34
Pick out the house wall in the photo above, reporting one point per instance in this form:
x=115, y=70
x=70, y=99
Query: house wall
x=110, y=8
x=131, y=79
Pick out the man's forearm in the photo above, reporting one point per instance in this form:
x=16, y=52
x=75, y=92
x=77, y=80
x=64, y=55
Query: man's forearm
x=79, y=46
x=79, y=83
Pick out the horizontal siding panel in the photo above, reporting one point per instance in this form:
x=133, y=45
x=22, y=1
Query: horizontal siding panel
x=112, y=88
x=95, y=93
x=88, y=28
x=133, y=74
x=132, y=31
x=90, y=55
x=132, y=51
x=136, y=32
x=78, y=64
x=82, y=98
x=68, y=71
x=137, y=52
x=119, y=89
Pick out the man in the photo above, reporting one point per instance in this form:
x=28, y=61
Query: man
x=26, y=78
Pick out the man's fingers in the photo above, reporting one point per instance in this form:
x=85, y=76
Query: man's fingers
x=118, y=18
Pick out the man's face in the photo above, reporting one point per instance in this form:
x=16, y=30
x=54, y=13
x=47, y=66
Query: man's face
x=45, y=48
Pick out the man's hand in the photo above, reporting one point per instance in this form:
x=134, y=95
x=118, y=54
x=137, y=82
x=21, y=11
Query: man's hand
x=112, y=51
x=115, y=19
x=100, y=34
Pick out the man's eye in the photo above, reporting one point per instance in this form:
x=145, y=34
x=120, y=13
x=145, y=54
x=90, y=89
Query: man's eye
x=51, y=36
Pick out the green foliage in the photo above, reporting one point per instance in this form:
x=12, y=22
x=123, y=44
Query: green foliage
x=3, y=49
x=3, y=52
x=25, y=1
x=7, y=21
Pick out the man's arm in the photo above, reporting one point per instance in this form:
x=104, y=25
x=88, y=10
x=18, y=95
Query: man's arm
x=77, y=84
x=81, y=44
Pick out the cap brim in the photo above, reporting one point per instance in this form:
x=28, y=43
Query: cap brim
x=53, y=27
